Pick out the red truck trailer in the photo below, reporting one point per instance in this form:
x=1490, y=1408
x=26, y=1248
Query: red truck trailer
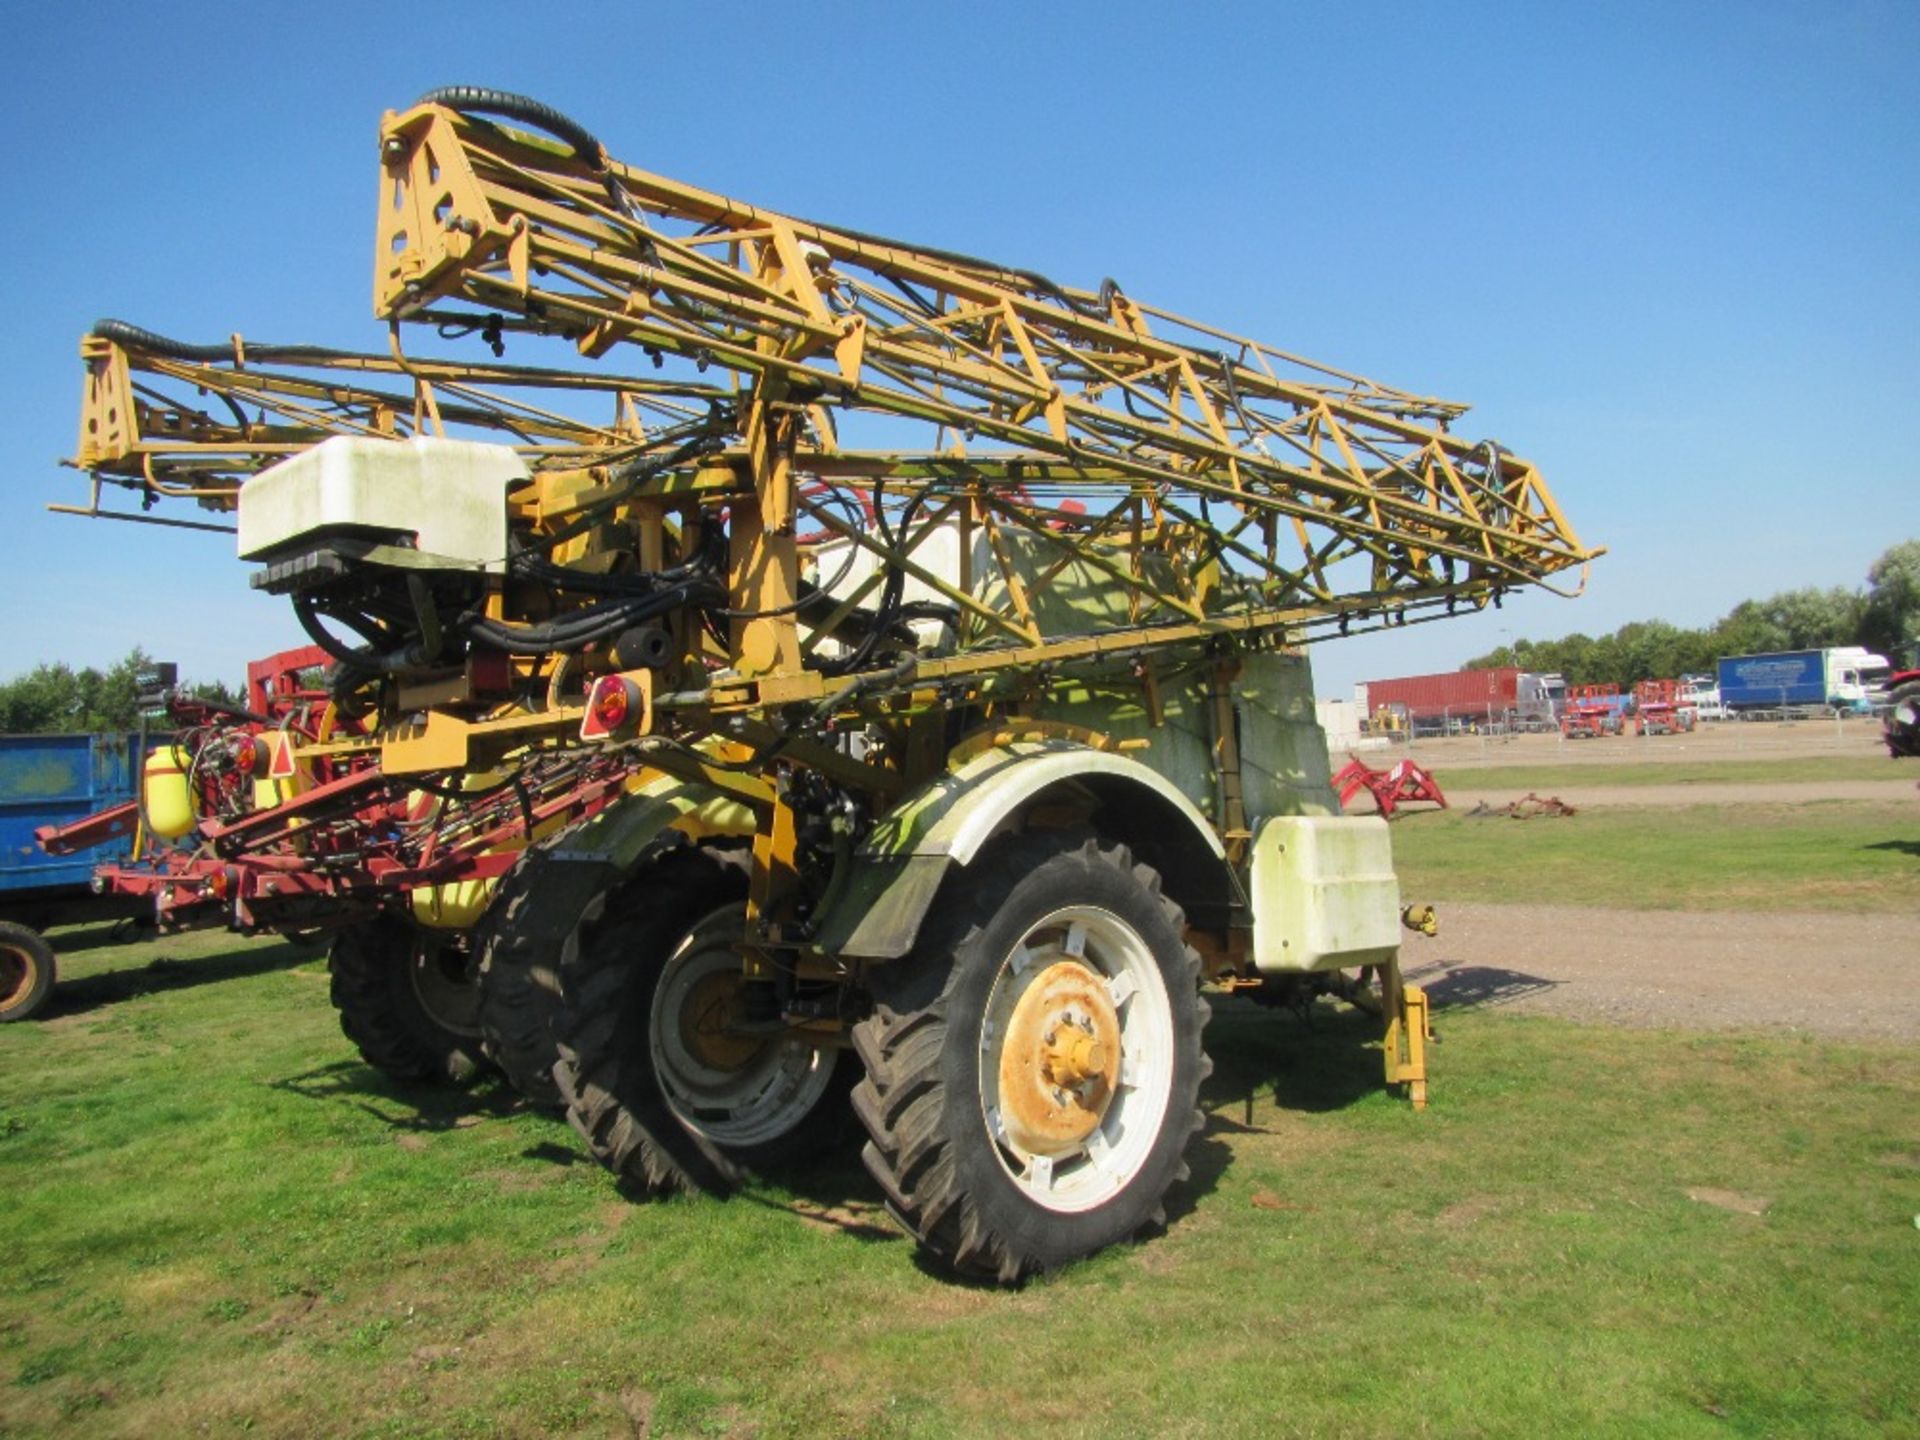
x=1455, y=699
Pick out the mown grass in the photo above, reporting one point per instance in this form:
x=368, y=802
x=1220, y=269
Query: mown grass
x=1828, y=855
x=1627, y=763
x=220, y=1222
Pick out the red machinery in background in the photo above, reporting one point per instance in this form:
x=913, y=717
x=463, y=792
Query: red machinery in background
x=1661, y=707
x=1593, y=711
x=1902, y=724
x=1401, y=783
x=278, y=830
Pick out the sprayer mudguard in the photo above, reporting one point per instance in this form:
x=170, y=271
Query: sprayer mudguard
x=621, y=833
x=1324, y=893
x=945, y=824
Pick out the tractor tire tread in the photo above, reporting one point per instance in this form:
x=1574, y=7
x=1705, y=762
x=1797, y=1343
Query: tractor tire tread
x=901, y=1099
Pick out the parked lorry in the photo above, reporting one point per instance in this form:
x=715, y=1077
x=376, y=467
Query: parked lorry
x=1701, y=693
x=1501, y=697
x=52, y=780
x=1841, y=678
x=951, y=772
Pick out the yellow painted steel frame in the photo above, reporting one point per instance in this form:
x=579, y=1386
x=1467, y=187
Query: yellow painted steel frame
x=1104, y=492
x=1215, y=494
x=1362, y=477
x=168, y=419
x=1082, y=441
x=1408, y=1030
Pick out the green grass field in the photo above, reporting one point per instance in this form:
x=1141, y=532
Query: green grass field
x=1828, y=855
x=220, y=1222
x=1628, y=764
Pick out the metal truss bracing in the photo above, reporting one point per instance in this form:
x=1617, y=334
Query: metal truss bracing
x=182, y=421
x=1211, y=474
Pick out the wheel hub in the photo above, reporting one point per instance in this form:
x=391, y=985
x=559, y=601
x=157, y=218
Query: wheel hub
x=16, y=974
x=734, y=1085
x=443, y=983
x=1060, y=1062
x=707, y=1020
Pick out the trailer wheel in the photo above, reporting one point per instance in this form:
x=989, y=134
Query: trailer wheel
x=1033, y=1069
x=27, y=971
x=668, y=1092
x=407, y=1001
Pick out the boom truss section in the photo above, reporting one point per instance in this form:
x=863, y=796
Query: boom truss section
x=171, y=420
x=1329, y=496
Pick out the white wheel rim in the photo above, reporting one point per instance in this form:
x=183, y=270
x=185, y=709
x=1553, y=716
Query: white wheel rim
x=734, y=1105
x=1080, y=1175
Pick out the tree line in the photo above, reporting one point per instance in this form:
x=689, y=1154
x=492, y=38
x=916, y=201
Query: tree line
x=57, y=699
x=1883, y=617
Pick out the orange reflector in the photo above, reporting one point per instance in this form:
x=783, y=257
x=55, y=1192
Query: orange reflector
x=610, y=705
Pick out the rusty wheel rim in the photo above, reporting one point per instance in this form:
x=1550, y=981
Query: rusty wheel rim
x=736, y=1089
x=16, y=976
x=1076, y=1058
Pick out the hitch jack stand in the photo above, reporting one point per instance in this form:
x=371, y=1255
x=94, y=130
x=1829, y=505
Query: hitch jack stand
x=1405, y=1008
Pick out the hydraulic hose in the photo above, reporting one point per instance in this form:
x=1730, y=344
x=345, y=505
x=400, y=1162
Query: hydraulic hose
x=483, y=100
x=134, y=337
x=887, y=612
x=581, y=629
x=480, y=100
x=364, y=661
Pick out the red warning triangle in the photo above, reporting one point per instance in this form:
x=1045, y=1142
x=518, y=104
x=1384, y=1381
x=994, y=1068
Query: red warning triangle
x=282, y=766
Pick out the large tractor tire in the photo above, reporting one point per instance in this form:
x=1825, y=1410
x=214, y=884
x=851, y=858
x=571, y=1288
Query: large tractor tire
x=408, y=1002
x=519, y=942
x=1903, y=720
x=27, y=972
x=668, y=1090
x=1034, y=1068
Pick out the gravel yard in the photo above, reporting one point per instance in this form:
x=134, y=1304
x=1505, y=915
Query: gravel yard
x=1842, y=976
x=1724, y=740
x=1846, y=977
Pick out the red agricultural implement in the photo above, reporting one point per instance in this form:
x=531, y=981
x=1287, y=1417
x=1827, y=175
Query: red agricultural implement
x=285, y=822
x=1399, y=784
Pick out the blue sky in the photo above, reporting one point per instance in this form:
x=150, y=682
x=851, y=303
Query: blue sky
x=1669, y=251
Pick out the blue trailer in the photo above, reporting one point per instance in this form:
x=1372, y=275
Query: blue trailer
x=53, y=780
x=1773, y=682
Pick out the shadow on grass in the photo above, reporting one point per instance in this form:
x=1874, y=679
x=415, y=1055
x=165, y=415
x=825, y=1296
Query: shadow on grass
x=549, y=1153
x=1898, y=847
x=109, y=987
x=1463, y=986
x=124, y=931
x=1324, y=1058
x=416, y=1109
x=833, y=1191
